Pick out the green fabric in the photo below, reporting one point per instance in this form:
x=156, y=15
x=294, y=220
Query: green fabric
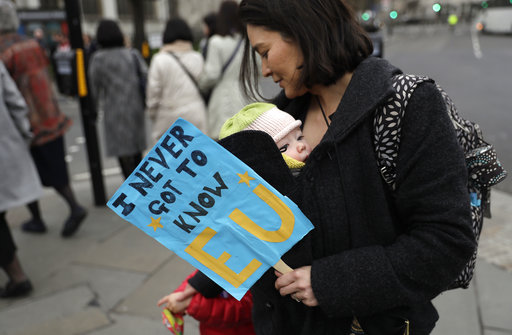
x=292, y=162
x=244, y=118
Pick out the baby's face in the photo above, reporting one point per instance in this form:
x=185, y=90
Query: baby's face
x=294, y=145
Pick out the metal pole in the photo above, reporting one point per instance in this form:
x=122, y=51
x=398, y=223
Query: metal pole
x=87, y=106
x=138, y=23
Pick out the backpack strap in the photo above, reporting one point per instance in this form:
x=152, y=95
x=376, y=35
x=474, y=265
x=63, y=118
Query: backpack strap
x=388, y=124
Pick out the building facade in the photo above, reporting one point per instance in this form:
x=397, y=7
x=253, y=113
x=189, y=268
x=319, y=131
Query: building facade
x=50, y=15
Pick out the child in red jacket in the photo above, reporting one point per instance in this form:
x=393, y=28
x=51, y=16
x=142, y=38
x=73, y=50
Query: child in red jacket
x=222, y=315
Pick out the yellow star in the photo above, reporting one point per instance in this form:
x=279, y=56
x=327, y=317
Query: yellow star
x=244, y=178
x=155, y=223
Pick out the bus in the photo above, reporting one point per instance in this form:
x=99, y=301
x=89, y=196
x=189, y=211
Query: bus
x=496, y=17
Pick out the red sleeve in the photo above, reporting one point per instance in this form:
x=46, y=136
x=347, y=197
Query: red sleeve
x=221, y=311
x=184, y=283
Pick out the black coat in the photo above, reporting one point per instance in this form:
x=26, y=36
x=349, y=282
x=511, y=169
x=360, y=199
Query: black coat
x=373, y=252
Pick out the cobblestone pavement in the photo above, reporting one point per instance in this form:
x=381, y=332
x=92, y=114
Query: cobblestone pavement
x=496, y=238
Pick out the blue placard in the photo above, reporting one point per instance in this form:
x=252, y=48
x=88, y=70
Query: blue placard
x=200, y=201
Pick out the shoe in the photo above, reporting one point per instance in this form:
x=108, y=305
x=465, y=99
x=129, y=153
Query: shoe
x=34, y=226
x=73, y=222
x=16, y=290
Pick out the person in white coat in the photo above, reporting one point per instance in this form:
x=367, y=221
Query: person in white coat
x=222, y=69
x=19, y=180
x=172, y=90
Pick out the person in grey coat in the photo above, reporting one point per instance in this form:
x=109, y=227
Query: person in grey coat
x=19, y=181
x=114, y=77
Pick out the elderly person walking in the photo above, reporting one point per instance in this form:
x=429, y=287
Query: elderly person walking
x=19, y=182
x=27, y=64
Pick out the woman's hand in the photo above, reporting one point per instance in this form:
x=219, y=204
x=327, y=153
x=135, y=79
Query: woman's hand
x=298, y=284
x=178, y=302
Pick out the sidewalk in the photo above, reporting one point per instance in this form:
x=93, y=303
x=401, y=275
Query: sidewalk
x=106, y=279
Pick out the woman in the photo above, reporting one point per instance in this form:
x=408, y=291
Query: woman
x=377, y=255
x=171, y=92
x=222, y=68
x=209, y=29
x=115, y=72
x=19, y=182
x=28, y=65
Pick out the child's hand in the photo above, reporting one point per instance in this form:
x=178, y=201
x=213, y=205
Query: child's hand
x=176, y=302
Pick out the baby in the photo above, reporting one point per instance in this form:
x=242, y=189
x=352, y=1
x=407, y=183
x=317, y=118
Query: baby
x=281, y=126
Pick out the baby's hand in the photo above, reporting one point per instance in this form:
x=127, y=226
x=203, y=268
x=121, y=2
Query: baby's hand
x=176, y=302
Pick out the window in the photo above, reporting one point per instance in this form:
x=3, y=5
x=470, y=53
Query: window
x=91, y=7
x=124, y=8
x=51, y=4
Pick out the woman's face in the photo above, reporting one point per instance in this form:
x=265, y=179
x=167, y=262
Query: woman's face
x=280, y=59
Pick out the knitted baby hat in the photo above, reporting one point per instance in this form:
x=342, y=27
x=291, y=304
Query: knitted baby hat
x=261, y=116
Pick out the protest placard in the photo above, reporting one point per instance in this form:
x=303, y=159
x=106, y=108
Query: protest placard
x=200, y=201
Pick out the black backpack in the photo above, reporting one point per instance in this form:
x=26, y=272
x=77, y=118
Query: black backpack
x=484, y=168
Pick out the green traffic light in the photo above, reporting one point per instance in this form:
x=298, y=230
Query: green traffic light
x=485, y=4
x=437, y=7
x=393, y=14
x=365, y=16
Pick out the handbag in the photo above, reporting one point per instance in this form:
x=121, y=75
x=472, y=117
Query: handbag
x=142, y=80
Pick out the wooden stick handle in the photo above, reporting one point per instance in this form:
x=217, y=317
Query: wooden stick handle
x=282, y=267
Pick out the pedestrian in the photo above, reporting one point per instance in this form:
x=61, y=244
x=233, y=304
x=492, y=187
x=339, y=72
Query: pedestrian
x=218, y=315
x=209, y=29
x=172, y=90
x=19, y=182
x=115, y=72
x=28, y=64
x=222, y=68
x=376, y=257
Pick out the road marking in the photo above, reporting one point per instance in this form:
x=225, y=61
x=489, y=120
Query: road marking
x=477, y=51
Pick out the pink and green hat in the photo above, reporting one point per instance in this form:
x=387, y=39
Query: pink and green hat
x=261, y=116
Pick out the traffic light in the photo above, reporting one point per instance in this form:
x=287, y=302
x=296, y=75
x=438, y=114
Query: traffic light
x=365, y=16
x=484, y=4
x=393, y=14
x=436, y=7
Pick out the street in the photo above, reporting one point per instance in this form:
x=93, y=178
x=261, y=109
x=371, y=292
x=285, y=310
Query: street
x=473, y=69
x=106, y=279
x=479, y=87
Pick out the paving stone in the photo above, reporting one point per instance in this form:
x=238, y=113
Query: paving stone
x=134, y=325
x=496, y=332
x=40, y=311
x=129, y=249
x=142, y=302
x=110, y=286
x=496, y=239
x=457, y=310
x=494, y=288
x=78, y=323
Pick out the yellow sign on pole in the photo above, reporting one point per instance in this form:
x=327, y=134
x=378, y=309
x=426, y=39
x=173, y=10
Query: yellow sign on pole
x=80, y=73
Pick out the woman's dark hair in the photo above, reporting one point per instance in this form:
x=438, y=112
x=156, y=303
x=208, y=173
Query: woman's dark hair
x=177, y=29
x=326, y=31
x=109, y=35
x=228, y=21
x=211, y=22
